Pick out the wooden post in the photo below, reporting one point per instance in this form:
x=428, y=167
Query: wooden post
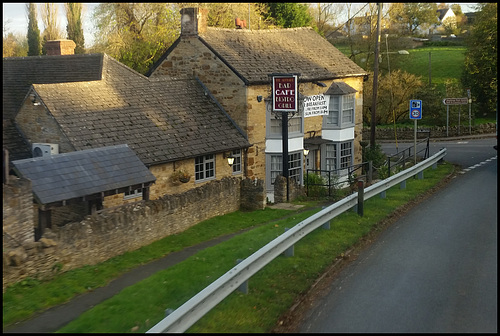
x=361, y=194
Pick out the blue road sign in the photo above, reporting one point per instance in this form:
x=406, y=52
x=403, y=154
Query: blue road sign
x=415, y=109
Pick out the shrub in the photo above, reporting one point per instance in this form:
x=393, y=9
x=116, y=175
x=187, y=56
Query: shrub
x=375, y=154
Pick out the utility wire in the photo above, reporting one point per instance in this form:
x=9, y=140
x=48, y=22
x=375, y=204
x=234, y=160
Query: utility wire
x=348, y=20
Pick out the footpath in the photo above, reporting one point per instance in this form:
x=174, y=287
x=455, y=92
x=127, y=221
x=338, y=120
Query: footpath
x=56, y=317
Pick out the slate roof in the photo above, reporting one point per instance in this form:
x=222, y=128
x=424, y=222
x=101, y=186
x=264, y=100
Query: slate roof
x=253, y=54
x=340, y=88
x=162, y=121
x=14, y=142
x=20, y=72
x=77, y=174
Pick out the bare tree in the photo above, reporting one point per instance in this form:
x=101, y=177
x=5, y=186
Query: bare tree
x=48, y=12
x=325, y=17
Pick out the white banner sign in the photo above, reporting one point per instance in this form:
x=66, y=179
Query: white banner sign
x=316, y=105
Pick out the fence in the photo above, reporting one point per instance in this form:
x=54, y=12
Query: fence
x=332, y=179
x=401, y=157
x=186, y=315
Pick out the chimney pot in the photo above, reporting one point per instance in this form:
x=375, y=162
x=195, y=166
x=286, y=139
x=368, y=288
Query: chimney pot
x=193, y=21
x=60, y=47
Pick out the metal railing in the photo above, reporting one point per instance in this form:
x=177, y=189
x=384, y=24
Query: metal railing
x=338, y=178
x=406, y=155
x=187, y=314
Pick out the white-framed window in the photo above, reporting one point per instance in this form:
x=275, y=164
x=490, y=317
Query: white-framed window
x=331, y=156
x=132, y=194
x=204, y=167
x=345, y=154
x=295, y=167
x=237, y=161
x=341, y=111
x=338, y=155
x=295, y=123
x=333, y=113
x=348, y=109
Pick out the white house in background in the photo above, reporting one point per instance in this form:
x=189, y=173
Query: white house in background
x=447, y=18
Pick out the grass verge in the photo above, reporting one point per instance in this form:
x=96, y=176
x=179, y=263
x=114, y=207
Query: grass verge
x=272, y=290
x=27, y=297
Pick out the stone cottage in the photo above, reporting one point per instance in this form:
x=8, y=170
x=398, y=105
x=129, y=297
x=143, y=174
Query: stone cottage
x=79, y=102
x=237, y=65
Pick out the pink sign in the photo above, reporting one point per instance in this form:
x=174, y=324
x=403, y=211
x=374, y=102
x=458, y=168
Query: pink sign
x=285, y=93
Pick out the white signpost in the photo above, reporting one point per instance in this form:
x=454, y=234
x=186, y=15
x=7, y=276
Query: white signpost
x=316, y=105
x=455, y=101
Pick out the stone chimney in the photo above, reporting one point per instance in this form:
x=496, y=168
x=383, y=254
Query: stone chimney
x=193, y=21
x=60, y=47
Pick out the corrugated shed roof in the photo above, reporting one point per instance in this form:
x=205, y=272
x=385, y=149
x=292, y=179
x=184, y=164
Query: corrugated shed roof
x=77, y=174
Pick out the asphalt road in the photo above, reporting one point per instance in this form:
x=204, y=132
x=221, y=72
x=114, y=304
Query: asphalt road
x=435, y=270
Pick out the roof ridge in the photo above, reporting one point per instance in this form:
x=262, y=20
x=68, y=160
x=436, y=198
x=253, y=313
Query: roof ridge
x=50, y=57
x=108, y=58
x=249, y=31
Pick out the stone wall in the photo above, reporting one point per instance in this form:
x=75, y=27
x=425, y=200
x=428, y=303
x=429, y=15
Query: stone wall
x=253, y=194
x=407, y=133
x=295, y=190
x=18, y=213
x=114, y=231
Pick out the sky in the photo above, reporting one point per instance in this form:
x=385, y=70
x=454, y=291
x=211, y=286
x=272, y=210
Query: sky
x=15, y=14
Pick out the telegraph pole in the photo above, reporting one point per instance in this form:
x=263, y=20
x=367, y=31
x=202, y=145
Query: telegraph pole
x=375, y=80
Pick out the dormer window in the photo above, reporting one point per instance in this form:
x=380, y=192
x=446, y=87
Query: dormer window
x=341, y=107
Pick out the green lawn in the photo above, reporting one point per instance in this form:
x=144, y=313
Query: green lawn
x=29, y=296
x=446, y=63
x=271, y=291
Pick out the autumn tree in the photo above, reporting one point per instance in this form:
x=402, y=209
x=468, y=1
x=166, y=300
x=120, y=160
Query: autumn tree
x=412, y=16
x=394, y=91
x=74, y=27
x=223, y=15
x=14, y=45
x=480, y=71
x=461, y=19
x=136, y=34
x=49, y=18
x=33, y=35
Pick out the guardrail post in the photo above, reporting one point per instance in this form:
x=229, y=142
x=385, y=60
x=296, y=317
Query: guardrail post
x=244, y=286
x=361, y=194
x=289, y=251
x=402, y=185
x=420, y=175
x=326, y=225
x=382, y=194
